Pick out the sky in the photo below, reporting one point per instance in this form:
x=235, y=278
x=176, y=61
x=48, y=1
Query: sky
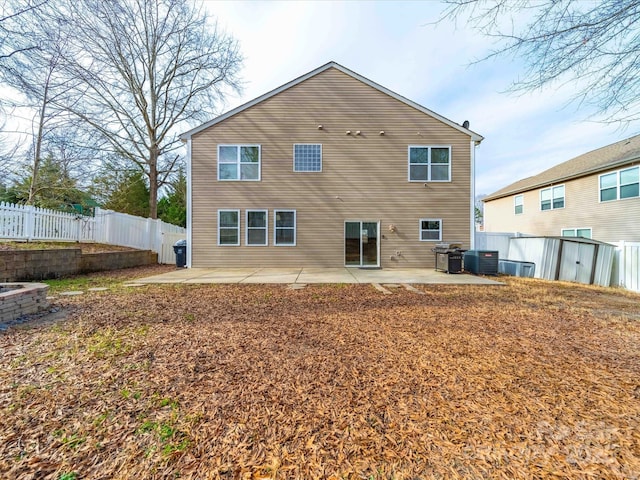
x=396, y=45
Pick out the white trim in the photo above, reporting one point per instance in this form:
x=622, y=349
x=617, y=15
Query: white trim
x=189, y=207
x=294, y=158
x=238, y=228
x=576, y=232
x=552, y=187
x=472, y=236
x=474, y=136
x=420, y=229
x=428, y=164
x=266, y=227
x=295, y=227
x=239, y=163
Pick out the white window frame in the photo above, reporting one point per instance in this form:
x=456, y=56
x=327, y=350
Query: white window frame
x=237, y=228
x=552, y=189
x=575, y=232
x=265, y=228
x=294, y=157
x=420, y=230
x=239, y=163
x=516, y=204
x=618, y=174
x=428, y=164
x=294, y=228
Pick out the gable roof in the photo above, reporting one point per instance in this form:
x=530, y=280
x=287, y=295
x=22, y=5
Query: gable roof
x=474, y=136
x=605, y=158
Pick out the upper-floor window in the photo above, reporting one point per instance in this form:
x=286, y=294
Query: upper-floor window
x=429, y=163
x=621, y=184
x=552, y=198
x=239, y=162
x=576, y=232
x=430, y=229
x=229, y=227
x=518, y=204
x=307, y=157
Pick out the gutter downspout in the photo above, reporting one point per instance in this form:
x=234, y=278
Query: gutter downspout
x=472, y=238
x=189, y=205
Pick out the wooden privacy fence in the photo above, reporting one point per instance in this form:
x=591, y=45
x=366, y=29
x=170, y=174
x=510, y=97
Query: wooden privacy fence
x=626, y=261
x=24, y=222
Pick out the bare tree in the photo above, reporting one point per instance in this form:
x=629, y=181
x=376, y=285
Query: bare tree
x=149, y=70
x=10, y=11
x=33, y=72
x=594, y=45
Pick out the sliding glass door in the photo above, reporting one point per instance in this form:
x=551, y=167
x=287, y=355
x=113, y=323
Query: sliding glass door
x=361, y=244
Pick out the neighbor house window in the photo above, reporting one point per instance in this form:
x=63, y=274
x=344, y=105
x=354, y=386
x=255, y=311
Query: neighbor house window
x=429, y=164
x=430, y=230
x=621, y=184
x=576, y=232
x=307, y=157
x=284, y=231
x=229, y=227
x=552, y=198
x=238, y=162
x=518, y=204
x=256, y=226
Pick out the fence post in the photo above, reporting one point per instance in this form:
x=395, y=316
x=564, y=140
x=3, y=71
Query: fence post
x=29, y=221
x=622, y=264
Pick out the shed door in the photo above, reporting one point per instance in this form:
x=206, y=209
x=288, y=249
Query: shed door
x=576, y=263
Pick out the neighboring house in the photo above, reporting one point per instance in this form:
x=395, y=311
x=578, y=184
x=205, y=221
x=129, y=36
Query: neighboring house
x=328, y=170
x=595, y=195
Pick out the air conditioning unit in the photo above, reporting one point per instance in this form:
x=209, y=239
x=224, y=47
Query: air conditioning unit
x=481, y=262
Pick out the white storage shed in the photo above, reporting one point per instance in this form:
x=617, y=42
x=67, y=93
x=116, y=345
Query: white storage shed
x=566, y=258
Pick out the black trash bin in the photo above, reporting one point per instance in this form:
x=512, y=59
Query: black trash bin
x=180, y=249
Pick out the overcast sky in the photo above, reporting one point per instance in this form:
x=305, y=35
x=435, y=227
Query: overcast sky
x=392, y=44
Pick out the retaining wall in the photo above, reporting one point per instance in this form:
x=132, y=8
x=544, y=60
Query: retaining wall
x=29, y=265
x=22, y=299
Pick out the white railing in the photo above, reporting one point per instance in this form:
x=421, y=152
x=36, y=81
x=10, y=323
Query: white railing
x=23, y=222
x=626, y=261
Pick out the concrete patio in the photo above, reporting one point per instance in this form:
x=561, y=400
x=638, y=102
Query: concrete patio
x=316, y=275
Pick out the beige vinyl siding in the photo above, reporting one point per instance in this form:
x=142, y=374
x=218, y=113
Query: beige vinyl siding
x=364, y=177
x=610, y=221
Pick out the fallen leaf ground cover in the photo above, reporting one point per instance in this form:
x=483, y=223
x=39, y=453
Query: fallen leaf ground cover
x=532, y=379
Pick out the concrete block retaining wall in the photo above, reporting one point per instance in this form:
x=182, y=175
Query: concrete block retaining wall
x=17, y=299
x=29, y=265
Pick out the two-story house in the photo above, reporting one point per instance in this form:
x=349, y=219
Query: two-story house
x=328, y=170
x=595, y=195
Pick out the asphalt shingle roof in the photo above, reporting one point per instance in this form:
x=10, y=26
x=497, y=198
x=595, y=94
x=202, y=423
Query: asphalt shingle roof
x=616, y=154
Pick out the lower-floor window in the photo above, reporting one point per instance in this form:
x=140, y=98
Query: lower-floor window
x=430, y=229
x=257, y=227
x=229, y=227
x=576, y=232
x=284, y=231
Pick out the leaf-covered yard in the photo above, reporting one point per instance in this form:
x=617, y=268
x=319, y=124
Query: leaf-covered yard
x=529, y=380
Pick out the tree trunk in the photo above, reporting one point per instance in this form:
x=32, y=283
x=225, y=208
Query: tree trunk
x=33, y=187
x=153, y=182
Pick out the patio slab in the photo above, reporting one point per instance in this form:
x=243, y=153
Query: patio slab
x=316, y=275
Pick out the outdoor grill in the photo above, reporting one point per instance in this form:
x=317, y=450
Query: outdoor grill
x=448, y=257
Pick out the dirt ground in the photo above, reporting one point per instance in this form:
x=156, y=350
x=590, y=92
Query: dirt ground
x=529, y=380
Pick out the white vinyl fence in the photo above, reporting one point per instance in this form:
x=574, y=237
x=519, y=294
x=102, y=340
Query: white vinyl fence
x=626, y=261
x=23, y=222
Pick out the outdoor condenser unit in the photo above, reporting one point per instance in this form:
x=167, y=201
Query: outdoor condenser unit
x=481, y=262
